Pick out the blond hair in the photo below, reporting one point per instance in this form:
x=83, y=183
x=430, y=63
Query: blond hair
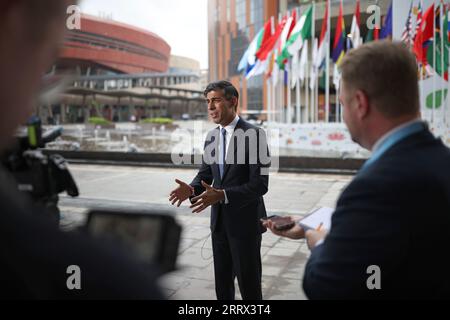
x=387, y=73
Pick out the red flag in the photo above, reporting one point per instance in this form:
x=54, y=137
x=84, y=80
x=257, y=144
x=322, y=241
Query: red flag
x=294, y=21
x=267, y=46
x=267, y=31
x=424, y=34
x=324, y=25
x=376, y=34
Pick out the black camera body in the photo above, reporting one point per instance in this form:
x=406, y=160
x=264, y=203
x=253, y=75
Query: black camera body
x=43, y=177
x=153, y=236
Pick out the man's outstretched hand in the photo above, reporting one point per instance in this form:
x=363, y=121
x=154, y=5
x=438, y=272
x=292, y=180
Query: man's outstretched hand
x=181, y=193
x=207, y=198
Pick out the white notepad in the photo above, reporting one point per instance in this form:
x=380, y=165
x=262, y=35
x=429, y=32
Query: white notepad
x=317, y=217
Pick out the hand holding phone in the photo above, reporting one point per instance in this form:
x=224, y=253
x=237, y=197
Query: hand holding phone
x=282, y=223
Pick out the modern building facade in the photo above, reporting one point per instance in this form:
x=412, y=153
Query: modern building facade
x=121, y=72
x=232, y=24
x=106, y=46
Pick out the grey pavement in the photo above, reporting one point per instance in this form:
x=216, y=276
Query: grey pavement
x=283, y=260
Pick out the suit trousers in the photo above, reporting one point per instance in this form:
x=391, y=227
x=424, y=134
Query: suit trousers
x=236, y=257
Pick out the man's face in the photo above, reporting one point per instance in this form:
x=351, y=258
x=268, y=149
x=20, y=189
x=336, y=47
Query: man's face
x=220, y=109
x=23, y=62
x=347, y=99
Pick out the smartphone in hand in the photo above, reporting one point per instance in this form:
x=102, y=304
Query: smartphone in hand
x=281, y=223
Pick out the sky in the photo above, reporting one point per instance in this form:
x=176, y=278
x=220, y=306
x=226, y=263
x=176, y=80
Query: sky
x=182, y=23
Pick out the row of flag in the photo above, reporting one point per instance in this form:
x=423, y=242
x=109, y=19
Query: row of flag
x=429, y=38
x=283, y=47
x=275, y=45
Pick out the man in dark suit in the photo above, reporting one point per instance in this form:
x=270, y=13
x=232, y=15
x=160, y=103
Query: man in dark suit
x=233, y=184
x=389, y=235
x=35, y=257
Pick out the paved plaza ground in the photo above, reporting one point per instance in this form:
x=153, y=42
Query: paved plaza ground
x=143, y=188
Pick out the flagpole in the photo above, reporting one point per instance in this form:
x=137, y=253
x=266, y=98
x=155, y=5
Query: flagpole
x=298, y=101
x=280, y=96
x=289, y=116
x=316, y=112
x=327, y=68
x=434, y=65
x=308, y=99
x=268, y=98
x=441, y=22
x=272, y=96
x=448, y=92
x=336, y=103
x=313, y=36
x=421, y=67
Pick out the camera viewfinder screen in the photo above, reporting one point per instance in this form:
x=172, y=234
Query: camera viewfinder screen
x=141, y=234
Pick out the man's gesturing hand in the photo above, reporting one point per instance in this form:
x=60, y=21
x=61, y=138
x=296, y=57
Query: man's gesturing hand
x=181, y=193
x=207, y=198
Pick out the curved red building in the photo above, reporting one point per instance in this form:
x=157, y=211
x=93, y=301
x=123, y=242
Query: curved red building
x=106, y=46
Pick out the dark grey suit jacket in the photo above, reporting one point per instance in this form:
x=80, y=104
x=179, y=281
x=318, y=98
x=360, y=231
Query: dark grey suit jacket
x=242, y=181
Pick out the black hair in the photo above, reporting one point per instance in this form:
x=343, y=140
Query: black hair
x=228, y=89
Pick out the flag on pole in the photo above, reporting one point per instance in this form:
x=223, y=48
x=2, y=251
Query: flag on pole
x=275, y=70
x=254, y=65
x=324, y=41
x=248, y=58
x=339, y=38
x=435, y=48
x=419, y=15
x=301, y=31
x=424, y=36
x=314, y=69
x=386, y=32
x=303, y=61
x=407, y=36
x=295, y=69
x=281, y=59
x=269, y=43
x=355, y=32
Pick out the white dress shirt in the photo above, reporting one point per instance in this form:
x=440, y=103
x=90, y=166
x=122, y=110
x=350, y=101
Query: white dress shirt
x=230, y=130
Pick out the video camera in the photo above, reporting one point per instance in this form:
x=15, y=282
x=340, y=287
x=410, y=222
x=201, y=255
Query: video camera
x=42, y=176
x=152, y=236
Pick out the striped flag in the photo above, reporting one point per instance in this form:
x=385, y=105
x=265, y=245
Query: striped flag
x=407, y=36
x=419, y=15
x=324, y=41
x=338, y=47
x=355, y=32
x=248, y=58
x=339, y=38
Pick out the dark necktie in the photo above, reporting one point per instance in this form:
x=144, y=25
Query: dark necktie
x=223, y=150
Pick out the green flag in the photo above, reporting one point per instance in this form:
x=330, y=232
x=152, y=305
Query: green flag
x=301, y=31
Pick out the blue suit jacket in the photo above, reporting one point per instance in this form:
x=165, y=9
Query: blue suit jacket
x=395, y=215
